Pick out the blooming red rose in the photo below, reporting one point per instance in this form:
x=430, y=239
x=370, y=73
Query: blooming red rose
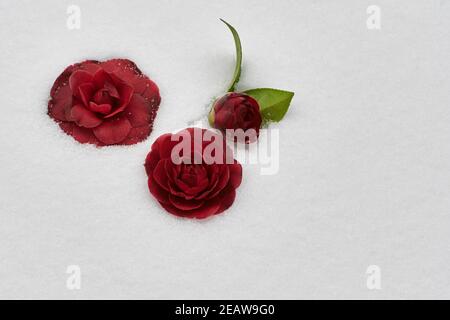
x=104, y=103
x=237, y=111
x=194, y=186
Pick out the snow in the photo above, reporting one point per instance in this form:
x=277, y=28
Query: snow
x=364, y=153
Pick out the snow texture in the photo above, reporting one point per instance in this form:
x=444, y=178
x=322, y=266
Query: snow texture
x=364, y=153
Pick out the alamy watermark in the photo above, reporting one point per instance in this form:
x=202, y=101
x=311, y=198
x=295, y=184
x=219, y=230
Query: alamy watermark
x=73, y=21
x=73, y=281
x=373, y=281
x=214, y=147
x=373, y=21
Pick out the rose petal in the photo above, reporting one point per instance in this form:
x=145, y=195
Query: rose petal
x=225, y=119
x=77, y=78
x=176, y=191
x=156, y=146
x=100, y=108
x=84, y=135
x=160, y=174
x=113, y=131
x=165, y=146
x=129, y=72
x=125, y=92
x=159, y=193
x=150, y=91
x=67, y=127
x=202, y=212
x=123, y=68
x=90, y=66
x=235, y=174
x=194, y=189
x=222, y=182
x=213, y=181
x=151, y=161
x=61, y=101
x=86, y=90
x=227, y=200
x=63, y=79
x=138, y=111
x=184, y=204
x=99, y=78
x=112, y=90
x=84, y=117
x=137, y=134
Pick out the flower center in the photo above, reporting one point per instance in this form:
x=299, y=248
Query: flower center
x=102, y=96
x=191, y=174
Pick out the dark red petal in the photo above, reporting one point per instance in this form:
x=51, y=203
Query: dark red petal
x=130, y=73
x=62, y=99
x=208, y=209
x=227, y=200
x=160, y=174
x=68, y=110
x=224, y=120
x=77, y=78
x=235, y=174
x=200, y=213
x=213, y=181
x=176, y=191
x=191, y=190
x=184, y=204
x=159, y=193
x=86, y=91
x=148, y=89
x=113, y=131
x=84, y=135
x=222, y=182
x=156, y=146
x=90, y=66
x=165, y=146
x=112, y=90
x=123, y=68
x=137, y=134
x=100, y=108
x=99, y=78
x=67, y=127
x=125, y=93
x=84, y=117
x=63, y=79
x=151, y=162
x=138, y=111
x=223, y=200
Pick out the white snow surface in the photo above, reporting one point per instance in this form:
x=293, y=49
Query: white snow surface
x=364, y=153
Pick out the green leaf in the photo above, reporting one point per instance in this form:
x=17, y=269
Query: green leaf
x=237, y=68
x=273, y=103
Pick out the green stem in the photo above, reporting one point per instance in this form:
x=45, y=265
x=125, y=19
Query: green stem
x=237, y=68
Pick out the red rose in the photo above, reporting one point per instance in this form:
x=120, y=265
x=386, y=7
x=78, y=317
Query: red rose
x=104, y=103
x=195, y=187
x=237, y=111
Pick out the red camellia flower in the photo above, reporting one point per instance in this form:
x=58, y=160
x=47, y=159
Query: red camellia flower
x=188, y=183
x=104, y=103
x=237, y=111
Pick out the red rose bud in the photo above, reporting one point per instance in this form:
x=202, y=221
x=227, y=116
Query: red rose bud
x=238, y=112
